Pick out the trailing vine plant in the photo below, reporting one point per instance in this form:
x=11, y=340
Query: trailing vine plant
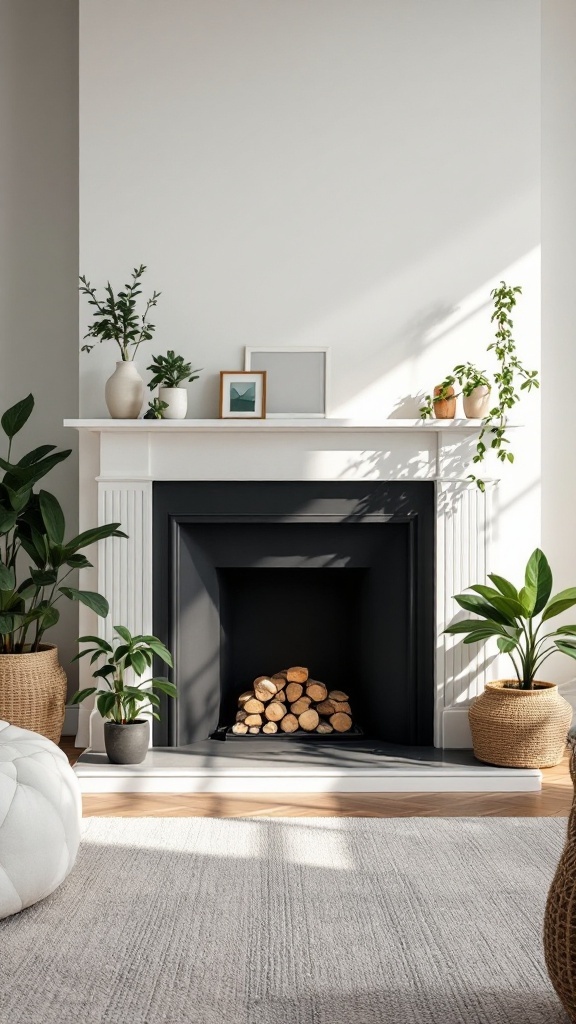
x=510, y=371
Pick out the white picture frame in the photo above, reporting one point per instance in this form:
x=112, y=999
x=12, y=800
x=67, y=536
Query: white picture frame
x=297, y=382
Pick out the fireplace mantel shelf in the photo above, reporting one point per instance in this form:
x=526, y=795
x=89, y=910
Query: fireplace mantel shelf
x=278, y=425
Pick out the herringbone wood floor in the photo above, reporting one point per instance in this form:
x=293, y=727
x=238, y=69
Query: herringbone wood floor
x=554, y=800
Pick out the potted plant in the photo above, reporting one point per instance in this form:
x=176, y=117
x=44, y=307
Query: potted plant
x=521, y=722
x=35, y=561
x=170, y=372
x=116, y=318
x=121, y=703
x=509, y=371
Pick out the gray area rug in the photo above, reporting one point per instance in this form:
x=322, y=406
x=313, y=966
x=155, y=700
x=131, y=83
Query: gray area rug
x=290, y=921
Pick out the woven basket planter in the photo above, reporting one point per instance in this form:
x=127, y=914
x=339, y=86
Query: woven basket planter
x=520, y=728
x=33, y=691
x=560, y=918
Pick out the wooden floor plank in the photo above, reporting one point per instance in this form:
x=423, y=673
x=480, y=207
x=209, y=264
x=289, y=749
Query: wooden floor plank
x=554, y=800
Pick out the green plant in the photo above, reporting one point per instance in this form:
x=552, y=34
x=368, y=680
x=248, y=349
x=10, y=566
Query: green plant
x=155, y=409
x=122, y=702
x=32, y=523
x=509, y=371
x=170, y=371
x=116, y=317
x=444, y=391
x=517, y=618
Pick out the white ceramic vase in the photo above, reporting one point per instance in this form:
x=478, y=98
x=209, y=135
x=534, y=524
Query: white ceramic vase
x=477, y=404
x=124, y=392
x=177, y=402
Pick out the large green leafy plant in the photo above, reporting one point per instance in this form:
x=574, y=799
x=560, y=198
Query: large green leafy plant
x=518, y=618
x=170, y=371
x=116, y=316
x=35, y=557
x=121, y=701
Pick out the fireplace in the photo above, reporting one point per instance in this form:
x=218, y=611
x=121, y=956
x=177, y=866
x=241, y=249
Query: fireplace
x=252, y=577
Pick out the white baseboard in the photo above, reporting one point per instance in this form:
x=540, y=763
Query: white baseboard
x=70, y=721
x=456, y=733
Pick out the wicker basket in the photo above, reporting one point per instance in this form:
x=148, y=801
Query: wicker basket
x=560, y=918
x=520, y=728
x=33, y=691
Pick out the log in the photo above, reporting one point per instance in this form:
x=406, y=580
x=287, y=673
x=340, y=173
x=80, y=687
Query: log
x=299, y=706
x=274, y=711
x=341, y=721
x=289, y=723
x=324, y=727
x=338, y=695
x=264, y=688
x=326, y=707
x=297, y=674
x=342, y=705
x=281, y=695
x=294, y=691
x=240, y=716
x=253, y=720
x=254, y=729
x=240, y=729
x=309, y=720
x=253, y=706
x=244, y=697
x=280, y=676
x=269, y=728
x=315, y=690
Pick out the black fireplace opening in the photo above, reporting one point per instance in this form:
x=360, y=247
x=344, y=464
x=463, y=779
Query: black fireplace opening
x=251, y=578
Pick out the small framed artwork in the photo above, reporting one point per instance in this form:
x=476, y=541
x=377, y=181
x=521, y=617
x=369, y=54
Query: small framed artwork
x=243, y=394
x=297, y=379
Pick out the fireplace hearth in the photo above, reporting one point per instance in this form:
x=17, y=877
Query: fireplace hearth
x=248, y=574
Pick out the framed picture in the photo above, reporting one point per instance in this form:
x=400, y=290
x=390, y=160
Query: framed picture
x=243, y=394
x=297, y=379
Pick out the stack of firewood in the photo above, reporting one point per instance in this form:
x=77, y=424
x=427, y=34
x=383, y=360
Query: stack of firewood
x=288, y=701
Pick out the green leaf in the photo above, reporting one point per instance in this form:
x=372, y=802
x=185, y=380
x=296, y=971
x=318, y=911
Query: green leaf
x=480, y=634
x=566, y=648
x=471, y=603
x=81, y=695
x=36, y=454
x=8, y=623
x=52, y=516
x=506, y=588
x=165, y=687
x=92, y=600
x=507, y=605
x=538, y=583
x=105, y=702
x=44, y=577
x=95, y=640
x=159, y=649
x=139, y=663
x=78, y=562
x=7, y=521
x=14, y=418
x=104, y=672
x=124, y=634
x=91, y=536
x=7, y=577
x=560, y=603
x=506, y=644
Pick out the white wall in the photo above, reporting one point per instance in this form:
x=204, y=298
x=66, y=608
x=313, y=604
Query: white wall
x=39, y=240
x=357, y=175
x=559, y=297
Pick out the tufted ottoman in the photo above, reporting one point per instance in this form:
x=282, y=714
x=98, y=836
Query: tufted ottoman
x=40, y=811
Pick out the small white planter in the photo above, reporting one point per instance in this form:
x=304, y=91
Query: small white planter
x=477, y=404
x=124, y=392
x=177, y=402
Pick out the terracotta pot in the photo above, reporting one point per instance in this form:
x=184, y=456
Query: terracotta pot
x=517, y=728
x=445, y=409
x=33, y=691
x=560, y=917
x=477, y=404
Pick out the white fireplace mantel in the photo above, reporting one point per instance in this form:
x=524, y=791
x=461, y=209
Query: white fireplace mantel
x=121, y=459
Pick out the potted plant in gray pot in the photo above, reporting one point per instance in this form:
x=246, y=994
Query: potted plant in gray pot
x=170, y=373
x=122, y=703
x=521, y=722
x=36, y=561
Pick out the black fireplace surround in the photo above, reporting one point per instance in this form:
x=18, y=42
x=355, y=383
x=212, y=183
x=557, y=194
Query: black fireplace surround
x=252, y=577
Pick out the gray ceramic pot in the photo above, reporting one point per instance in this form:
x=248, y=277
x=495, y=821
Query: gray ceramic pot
x=127, y=744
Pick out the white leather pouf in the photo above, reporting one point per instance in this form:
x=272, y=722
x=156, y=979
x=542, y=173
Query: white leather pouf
x=40, y=813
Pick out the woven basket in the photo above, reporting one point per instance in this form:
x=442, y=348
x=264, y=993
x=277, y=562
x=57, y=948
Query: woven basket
x=33, y=691
x=520, y=728
x=560, y=918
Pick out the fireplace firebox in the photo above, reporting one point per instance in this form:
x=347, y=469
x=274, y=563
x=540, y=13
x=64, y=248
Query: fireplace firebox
x=252, y=577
